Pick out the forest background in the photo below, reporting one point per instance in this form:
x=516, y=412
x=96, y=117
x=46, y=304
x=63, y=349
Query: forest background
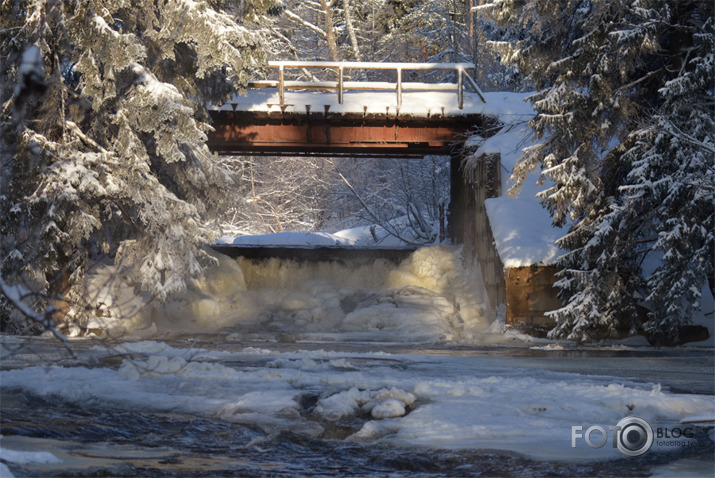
x=104, y=122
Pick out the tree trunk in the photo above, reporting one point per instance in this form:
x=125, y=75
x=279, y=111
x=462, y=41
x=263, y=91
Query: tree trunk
x=329, y=29
x=351, y=30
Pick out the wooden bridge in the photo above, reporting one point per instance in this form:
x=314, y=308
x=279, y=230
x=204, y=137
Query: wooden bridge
x=346, y=117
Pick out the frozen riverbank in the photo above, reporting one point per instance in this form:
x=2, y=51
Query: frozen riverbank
x=327, y=396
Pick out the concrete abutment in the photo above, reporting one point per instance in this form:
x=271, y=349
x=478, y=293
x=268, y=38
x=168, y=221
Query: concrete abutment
x=527, y=292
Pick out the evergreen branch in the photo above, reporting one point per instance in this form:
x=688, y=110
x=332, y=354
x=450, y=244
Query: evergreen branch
x=84, y=138
x=680, y=134
x=643, y=78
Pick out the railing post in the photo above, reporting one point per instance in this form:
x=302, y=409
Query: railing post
x=281, y=85
x=476, y=88
x=399, y=87
x=340, y=85
x=460, y=87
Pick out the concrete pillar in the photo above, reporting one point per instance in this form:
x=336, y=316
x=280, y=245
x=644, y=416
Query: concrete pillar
x=468, y=220
x=460, y=194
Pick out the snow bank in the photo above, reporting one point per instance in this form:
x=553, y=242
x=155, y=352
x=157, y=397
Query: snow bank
x=23, y=457
x=27, y=457
x=522, y=229
x=5, y=471
x=292, y=239
x=361, y=236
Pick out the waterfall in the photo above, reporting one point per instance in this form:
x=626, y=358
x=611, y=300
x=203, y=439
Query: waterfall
x=430, y=297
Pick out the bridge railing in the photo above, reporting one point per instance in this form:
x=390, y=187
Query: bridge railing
x=340, y=86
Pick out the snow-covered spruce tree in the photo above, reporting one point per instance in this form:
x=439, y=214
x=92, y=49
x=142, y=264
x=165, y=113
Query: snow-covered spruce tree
x=625, y=105
x=671, y=185
x=102, y=140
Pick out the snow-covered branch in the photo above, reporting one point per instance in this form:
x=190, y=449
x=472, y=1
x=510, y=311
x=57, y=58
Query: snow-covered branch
x=16, y=295
x=299, y=20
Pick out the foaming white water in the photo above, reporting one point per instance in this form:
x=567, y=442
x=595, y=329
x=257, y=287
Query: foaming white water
x=429, y=297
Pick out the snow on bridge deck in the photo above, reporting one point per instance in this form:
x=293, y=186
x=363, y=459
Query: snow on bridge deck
x=366, y=122
x=415, y=104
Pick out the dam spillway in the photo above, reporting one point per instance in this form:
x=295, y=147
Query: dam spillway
x=297, y=253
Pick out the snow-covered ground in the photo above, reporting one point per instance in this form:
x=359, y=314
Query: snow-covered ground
x=362, y=236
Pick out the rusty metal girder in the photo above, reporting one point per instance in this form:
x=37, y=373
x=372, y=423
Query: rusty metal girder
x=317, y=133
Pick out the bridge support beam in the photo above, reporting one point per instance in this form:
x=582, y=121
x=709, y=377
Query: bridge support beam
x=319, y=131
x=468, y=220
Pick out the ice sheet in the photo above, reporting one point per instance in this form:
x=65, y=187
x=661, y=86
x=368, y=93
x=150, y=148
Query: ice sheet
x=402, y=399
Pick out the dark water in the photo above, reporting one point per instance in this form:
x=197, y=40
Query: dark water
x=107, y=442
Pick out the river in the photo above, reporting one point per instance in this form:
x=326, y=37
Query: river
x=389, y=370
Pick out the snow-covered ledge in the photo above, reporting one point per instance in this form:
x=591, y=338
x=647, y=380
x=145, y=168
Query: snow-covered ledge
x=520, y=230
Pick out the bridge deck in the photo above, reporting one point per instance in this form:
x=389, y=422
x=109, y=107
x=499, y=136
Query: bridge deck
x=365, y=123
x=415, y=104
